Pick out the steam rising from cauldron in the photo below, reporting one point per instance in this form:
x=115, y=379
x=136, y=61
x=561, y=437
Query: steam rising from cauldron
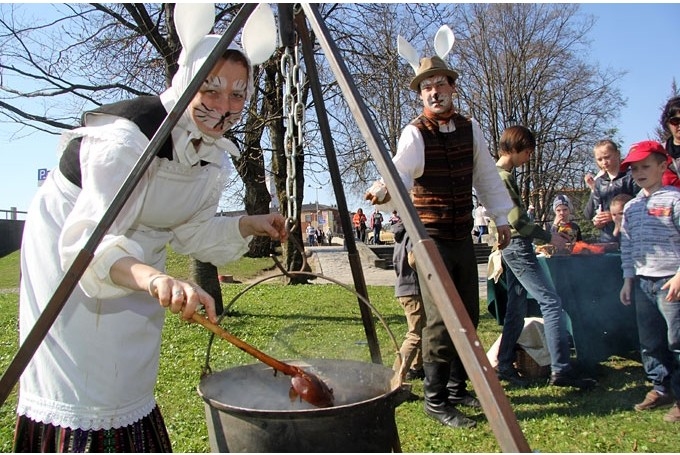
x=257, y=387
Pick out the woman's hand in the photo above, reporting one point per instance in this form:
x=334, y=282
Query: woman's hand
x=590, y=181
x=272, y=225
x=176, y=295
x=181, y=296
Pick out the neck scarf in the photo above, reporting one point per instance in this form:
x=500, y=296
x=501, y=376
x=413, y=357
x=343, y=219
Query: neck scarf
x=442, y=118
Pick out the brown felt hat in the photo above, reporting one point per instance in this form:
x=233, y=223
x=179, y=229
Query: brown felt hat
x=431, y=66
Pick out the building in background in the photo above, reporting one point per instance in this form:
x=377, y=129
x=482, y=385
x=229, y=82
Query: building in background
x=320, y=218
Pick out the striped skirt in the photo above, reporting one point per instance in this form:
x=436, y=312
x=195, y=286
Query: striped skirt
x=146, y=435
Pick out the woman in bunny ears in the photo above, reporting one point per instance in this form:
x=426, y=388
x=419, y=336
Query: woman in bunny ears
x=90, y=385
x=441, y=139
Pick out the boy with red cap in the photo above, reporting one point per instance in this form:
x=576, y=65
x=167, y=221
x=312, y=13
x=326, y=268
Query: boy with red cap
x=650, y=256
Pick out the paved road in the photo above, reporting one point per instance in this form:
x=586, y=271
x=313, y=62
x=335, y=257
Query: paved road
x=333, y=261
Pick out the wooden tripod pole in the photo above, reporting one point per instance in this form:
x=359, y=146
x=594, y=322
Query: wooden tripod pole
x=431, y=267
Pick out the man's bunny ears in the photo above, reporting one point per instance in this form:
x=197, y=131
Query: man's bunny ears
x=193, y=21
x=429, y=66
x=443, y=43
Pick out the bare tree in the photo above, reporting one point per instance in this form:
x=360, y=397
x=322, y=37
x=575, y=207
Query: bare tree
x=366, y=34
x=74, y=57
x=521, y=63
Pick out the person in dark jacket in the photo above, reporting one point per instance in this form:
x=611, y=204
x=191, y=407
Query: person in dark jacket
x=407, y=291
x=613, y=181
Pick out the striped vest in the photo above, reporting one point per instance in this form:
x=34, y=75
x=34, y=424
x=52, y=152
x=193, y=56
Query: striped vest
x=442, y=196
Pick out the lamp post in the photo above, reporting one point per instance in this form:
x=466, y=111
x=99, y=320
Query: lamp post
x=316, y=216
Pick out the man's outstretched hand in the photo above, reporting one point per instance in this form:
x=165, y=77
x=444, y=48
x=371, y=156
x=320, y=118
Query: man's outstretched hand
x=377, y=193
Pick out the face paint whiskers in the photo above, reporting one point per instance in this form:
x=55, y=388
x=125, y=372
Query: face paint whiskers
x=220, y=106
x=215, y=120
x=227, y=120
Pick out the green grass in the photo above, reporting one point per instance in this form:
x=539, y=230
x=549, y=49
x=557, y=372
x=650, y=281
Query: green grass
x=9, y=271
x=323, y=321
x=243, y=269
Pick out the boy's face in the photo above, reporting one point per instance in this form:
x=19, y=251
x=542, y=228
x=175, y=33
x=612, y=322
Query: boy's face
x=562, y=213
x=647, y=173
x=616, y=209
x=522, y=157
x=607, y=159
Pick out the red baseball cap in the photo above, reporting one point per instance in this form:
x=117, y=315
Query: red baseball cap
x=642, y=150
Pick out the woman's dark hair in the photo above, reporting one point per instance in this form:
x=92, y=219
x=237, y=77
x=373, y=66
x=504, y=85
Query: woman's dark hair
x=232, y=55
x=671, y=110
x=517, y=138
x=235, y=56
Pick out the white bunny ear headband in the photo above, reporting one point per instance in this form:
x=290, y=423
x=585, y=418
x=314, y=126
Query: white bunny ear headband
x=194, y=21
x=443, y=43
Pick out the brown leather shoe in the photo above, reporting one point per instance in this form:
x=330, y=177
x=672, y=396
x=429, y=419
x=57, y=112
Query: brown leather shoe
x=654, y=400
x=674, y=414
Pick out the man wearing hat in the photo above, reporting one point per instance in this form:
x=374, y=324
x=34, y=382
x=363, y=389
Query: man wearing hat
x=440, y=156
x=650, y=259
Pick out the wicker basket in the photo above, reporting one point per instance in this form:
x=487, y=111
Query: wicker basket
x=528, y=367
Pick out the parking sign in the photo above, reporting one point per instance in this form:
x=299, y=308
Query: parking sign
x=42, y=175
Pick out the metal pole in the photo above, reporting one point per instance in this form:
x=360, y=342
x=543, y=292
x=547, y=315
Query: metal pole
x=352, y=252
x=84, y=257
x=431, y=268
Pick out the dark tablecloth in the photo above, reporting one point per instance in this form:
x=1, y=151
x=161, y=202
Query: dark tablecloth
x=589, y=286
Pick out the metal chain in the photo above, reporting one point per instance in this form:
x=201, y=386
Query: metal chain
x=294, y=113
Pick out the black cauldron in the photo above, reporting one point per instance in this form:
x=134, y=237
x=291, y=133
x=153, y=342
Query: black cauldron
x=248, y=409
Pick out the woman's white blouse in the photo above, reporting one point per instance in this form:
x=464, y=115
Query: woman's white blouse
x=99, y=361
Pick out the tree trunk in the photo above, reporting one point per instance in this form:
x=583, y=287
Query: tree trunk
x=273, y=102
x=251, y=168
x=205, y=275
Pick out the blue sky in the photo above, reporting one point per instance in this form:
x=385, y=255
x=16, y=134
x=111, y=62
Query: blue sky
x=641, y=39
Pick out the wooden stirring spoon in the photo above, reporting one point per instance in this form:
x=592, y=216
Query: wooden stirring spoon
x=305, y=385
